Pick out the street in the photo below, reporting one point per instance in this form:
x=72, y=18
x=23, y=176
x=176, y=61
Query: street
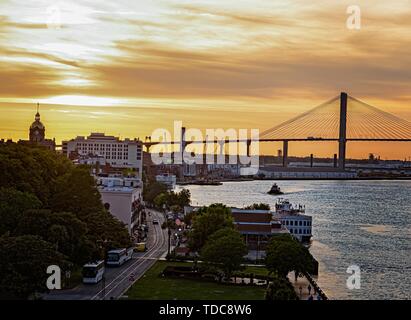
x=119, y=279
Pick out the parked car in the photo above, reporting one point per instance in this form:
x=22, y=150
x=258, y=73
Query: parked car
x=155, y=221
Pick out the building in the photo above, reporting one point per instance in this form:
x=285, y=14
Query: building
x=168, y=179
x=294, y=219
x=257, y=227
x=117, y=153
x=296, y=172
x=37, y=134
x=123, y=198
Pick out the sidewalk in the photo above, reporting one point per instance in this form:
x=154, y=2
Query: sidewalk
x=303, y=282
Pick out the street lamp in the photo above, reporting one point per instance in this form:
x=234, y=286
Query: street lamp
x=169, y=239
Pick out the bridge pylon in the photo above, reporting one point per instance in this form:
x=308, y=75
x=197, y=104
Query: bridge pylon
x=342, y=140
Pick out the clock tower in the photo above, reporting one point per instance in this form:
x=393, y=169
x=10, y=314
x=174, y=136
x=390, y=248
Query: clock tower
x=37, y=129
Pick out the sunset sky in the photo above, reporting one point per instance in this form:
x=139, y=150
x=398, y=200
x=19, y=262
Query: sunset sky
x=129, y=67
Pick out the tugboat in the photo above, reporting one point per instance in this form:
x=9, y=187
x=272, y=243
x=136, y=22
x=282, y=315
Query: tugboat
x=275, y=190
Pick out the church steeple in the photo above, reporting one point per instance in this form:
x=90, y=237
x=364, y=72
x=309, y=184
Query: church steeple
x=37, y=117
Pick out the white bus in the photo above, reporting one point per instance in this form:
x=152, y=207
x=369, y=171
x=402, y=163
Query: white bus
x=93, y=272
x=119, y=256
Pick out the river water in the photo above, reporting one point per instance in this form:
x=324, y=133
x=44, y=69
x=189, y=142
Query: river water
x=364, y=223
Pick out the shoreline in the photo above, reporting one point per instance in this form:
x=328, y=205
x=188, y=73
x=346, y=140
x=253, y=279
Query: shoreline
x=219, y=182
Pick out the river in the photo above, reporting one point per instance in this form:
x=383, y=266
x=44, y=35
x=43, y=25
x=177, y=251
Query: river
x=364, y=223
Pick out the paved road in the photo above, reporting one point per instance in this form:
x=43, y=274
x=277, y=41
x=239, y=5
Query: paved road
x=119, y=279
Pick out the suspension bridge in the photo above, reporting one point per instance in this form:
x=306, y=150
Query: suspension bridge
x=341, y=119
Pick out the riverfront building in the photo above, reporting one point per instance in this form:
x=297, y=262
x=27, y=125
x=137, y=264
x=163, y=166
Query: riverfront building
x=257, y=227
x=117, y=153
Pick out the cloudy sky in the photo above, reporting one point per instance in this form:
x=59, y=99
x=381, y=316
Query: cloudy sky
x=136, y=65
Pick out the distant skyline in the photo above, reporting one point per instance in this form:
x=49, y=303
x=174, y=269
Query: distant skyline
x=128, y=67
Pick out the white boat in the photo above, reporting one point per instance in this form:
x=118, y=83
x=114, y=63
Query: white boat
x=294, y=219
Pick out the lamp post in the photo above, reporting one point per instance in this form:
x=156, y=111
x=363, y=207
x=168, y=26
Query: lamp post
x=169, y=239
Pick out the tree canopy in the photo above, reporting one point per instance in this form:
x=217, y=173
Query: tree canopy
x=48, y=203
x=207, y=221
x=23, y=267
x=224, y=250
x=280, y=289
x=285, y=254
x=258, y=206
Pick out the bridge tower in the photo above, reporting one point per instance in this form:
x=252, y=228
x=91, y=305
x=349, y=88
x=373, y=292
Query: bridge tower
x=285, y=153
x=342, y=140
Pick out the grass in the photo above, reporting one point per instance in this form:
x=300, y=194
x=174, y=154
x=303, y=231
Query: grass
x=153, y=287
x=257, y=271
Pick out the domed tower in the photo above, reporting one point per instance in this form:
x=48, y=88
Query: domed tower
x=37, y=129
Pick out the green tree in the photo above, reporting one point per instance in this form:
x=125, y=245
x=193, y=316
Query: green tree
x=64, y=230
x=207, y=221
x=24, y=262
x=224, y=250
x=169, y=225
x=31, y=169
x=76, y=192
x=161, y=200
x=183, y=198
x=258, y=206
x=47, y=202
x=12, y=205
x=152, y=189
x=175, y=208
x=285, y=254
x=280, y=289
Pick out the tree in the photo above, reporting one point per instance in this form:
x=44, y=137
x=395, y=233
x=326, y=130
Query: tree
x=42, y=179
x=161, y=200
x=285, y=254
x=169, y=225
x=258, y=206
x=280, y=289
x=57, y=234
x=12, y=205
x=152, y=190
x=49, y=209
x=62, y=229
x=24, y=262
x=31, y=169
x=76, y=192
x=171, y=199
x=183, y=198
x=207, y=221
x=224, y=250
